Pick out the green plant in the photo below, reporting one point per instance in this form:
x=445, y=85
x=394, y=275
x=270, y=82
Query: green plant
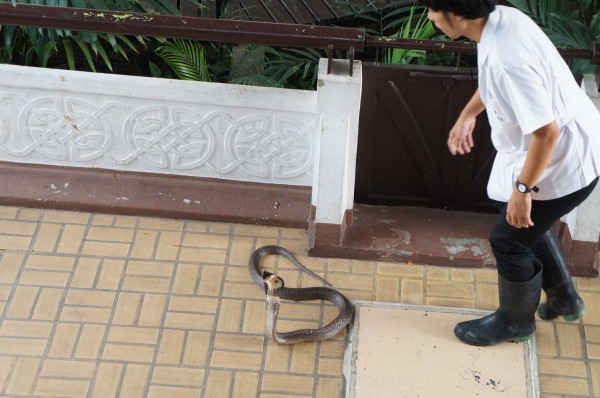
x=248, y=67
x=568, y=24
x=37, y=46
x=399, y=19
x=379, y=17
x=293, y=68
x=186, y=58
x=421, y=29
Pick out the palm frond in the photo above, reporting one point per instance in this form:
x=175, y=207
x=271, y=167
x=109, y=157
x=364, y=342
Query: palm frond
x=186, y=58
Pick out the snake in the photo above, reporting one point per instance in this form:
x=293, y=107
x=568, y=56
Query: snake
x=275, y=290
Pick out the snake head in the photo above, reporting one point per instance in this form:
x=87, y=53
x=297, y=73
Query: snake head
x=273, y=283
x=266, y=274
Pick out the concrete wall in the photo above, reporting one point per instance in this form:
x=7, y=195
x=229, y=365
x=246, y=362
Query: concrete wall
x=338, y=101
x=216, y=131
x=584, y=222
x=138, y=124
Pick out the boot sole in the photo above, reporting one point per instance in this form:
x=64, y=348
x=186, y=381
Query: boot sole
x=573, y=317
x=549, y=315
x=521, y=339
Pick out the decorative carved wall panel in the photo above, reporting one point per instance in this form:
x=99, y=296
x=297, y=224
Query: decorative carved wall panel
x=262, y=143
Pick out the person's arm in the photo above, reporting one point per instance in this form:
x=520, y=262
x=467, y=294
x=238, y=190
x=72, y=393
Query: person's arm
x=539, y=152
x=460, y=139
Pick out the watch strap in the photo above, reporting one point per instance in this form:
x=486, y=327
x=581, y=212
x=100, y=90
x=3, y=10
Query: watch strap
x=527, y=189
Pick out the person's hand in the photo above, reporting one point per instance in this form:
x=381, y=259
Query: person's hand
x=460, y=139
x=518, y=210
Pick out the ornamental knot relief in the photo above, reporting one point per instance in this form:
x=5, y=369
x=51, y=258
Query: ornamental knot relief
x=255, y=144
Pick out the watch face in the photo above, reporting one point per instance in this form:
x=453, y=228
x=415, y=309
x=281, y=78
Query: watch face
x=522, y=188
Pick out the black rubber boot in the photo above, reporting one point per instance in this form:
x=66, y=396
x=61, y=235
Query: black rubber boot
x=513, y=321
x=563, y=300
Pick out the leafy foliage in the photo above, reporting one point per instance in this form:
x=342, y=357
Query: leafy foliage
x=405, y=19
x=422, y=29
x=568, y=24
x=187, y=58
x=216, y=62
x=379, y=17
x=36, y=46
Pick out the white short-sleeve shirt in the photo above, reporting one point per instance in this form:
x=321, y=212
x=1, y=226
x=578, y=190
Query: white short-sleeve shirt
x=525, y=84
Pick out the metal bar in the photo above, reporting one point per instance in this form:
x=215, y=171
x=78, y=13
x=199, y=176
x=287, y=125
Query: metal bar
x=416, y=44
x=579, y=53
x=351, y=71
x=460, y=47
x=596, y=52
x=231, y=31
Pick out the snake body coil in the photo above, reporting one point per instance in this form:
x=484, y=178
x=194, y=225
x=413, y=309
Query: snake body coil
x=276, y=290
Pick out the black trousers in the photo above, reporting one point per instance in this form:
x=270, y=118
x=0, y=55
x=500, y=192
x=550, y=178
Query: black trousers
x=514, y=247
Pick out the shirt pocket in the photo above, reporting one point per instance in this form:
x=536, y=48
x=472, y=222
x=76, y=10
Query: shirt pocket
x=506, y=133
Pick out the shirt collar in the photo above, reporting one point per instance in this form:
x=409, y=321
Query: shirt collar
x=487, y=36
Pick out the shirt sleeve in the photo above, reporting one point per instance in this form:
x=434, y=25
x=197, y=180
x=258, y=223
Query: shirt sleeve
x=531, y=102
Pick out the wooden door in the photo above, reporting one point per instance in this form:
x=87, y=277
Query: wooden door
x=403, y=159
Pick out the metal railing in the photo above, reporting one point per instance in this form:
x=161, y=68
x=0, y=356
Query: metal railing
x=230, y=31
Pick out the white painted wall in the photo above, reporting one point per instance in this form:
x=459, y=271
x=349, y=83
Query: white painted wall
x=80, y=119
x=338, y=103
x=584, y=221
x=241, y=133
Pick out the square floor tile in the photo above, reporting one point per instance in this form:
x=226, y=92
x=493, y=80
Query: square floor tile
x=404, y=351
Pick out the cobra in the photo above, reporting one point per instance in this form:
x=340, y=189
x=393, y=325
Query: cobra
x=275, y=290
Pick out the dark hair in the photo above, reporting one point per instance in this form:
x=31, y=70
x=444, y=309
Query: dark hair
x=470, y=9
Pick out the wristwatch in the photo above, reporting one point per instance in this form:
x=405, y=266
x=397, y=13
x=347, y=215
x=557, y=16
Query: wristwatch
x=523, y=188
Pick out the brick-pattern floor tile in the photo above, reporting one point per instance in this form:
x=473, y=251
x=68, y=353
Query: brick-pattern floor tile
x=546, y=339
x=236, y=360
x=487, y=296
x=10, y=264
x=278, y=357
x=6, y=366
x=329, y=387
x=564, y=367
x=569, y=340
x=135, y=381
x=563, y=385
x=64, y=341
x=90, y=342
x=196, y=351
x=592, y=302
x=388, y=289
x=23, y=377
x=50, y=263
x=287, y=384
x=171, y=347
x=174, y=376
x=71, y=239
x=303, y=359
x=245, y=384
x=412, y=291
x=99, y=305
x=219, y=384
x=47, y=237
x=595, y=375
x=107, y=380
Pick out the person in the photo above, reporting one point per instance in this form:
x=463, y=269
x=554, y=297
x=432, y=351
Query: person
x=545, y=131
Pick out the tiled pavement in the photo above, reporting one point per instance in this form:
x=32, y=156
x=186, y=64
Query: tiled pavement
x=99, y=305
